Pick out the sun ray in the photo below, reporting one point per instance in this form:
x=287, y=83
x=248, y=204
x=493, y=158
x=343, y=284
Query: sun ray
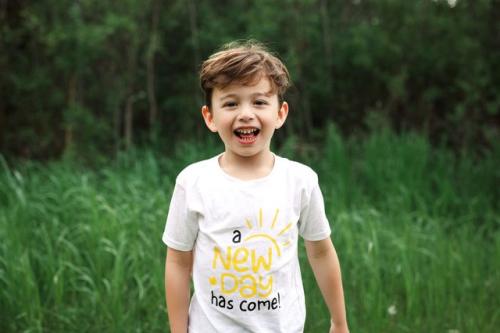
x=286, y=243
x=275, y=218
x=249, y=224
x=285, y=229
x=260, y=217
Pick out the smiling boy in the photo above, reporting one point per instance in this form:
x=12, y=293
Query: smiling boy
x=234, y=220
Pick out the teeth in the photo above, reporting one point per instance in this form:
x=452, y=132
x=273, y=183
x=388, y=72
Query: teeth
x=246, y=131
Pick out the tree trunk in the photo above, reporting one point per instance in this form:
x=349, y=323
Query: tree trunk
x=129, y=121
x=193, y=25
x=327, y=49
x=150, y=64
x=298, y=42
x=71, y=101
x=117, y=128
x=129, y=104
x=3, y=69
x=325, y=24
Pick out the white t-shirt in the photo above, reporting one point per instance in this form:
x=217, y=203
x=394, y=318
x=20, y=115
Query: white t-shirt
x=244, y=234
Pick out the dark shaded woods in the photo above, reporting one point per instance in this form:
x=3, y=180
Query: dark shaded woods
x=89, y=78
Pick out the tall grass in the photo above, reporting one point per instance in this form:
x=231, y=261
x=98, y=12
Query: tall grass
x=416, y=228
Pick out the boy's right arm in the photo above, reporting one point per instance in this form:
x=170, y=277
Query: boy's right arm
x=178, y=266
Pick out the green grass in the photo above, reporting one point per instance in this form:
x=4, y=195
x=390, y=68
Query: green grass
x=416, y=228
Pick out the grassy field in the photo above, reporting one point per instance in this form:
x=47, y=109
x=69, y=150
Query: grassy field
x=417, y=230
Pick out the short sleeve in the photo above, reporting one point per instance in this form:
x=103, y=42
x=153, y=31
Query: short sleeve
x=313, y=223
x=181, y=228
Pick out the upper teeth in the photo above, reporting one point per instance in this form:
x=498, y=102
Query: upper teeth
x=246, y=131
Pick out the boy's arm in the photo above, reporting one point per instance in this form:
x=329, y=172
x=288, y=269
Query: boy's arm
x=177, y=288
x=325, y=265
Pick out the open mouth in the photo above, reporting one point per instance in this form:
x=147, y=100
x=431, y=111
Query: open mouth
x=246, y=135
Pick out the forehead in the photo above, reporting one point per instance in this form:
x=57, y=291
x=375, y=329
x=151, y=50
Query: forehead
x=260, y=85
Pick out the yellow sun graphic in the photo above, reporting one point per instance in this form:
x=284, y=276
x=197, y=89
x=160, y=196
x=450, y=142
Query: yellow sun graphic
x=259, y=225
x=246, y=269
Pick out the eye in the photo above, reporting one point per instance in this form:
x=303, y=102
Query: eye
x=261, y=102
x=229, y=104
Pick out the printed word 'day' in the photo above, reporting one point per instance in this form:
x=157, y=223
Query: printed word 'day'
x=241, y=272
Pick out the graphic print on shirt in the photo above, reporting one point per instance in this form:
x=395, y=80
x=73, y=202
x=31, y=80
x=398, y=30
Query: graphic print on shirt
x=244, y=276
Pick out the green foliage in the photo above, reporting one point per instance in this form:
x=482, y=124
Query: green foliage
x=416, y=228
x=426, y=66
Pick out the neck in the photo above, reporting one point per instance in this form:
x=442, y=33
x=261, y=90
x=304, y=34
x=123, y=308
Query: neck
x=247, y=167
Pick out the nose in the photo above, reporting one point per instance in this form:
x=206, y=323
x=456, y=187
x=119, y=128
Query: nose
x=246, y=113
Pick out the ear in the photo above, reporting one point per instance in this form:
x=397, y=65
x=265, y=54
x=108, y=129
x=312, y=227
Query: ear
x=282, y=114
x=209, y=118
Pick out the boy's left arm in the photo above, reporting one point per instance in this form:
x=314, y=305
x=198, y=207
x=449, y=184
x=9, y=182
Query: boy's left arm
x=325, y=265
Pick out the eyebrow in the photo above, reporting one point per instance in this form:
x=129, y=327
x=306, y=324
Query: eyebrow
x=268, y=94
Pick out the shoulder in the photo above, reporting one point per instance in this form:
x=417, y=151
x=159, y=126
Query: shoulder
x=192, y=173
x=299, y=171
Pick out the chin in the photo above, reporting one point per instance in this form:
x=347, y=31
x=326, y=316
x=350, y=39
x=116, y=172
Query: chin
x=247, y=154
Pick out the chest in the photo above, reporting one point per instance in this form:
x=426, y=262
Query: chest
x=262, y=212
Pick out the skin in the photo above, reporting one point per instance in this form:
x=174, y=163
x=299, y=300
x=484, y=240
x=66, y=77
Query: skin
x=238, y=107
x=177, y=277
x=326, y=268
x=246, y=107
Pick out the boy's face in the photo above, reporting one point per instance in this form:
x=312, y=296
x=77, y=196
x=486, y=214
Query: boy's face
x=245, y=117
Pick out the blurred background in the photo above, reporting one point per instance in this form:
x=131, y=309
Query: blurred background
x=93, y=77
x=395, y=104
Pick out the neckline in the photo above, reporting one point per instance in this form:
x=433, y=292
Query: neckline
x=277, y=163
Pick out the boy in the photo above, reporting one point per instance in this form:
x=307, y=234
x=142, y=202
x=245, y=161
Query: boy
x=234, y=219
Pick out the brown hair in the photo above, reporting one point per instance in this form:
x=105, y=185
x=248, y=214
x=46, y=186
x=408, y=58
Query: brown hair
x=244, y=62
